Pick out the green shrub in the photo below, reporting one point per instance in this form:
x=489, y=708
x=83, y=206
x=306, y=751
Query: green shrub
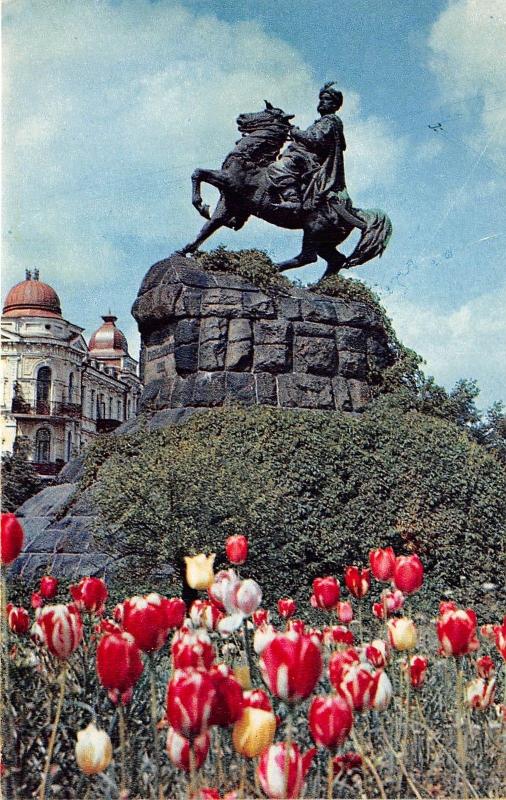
x=253, y=265
x=314, y=491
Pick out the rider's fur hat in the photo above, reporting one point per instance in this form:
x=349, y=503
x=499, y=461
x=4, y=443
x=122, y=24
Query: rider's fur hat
x=334, y=94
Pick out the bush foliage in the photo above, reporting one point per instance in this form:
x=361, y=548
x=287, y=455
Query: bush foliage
x=253, y=265
x=314, y=491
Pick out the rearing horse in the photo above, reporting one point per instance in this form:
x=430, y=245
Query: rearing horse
x=246, y=190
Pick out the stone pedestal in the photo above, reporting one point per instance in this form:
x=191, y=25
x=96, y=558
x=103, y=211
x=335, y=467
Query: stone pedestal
x=211, y=338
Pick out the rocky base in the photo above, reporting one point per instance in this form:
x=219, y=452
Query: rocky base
x=211, y=339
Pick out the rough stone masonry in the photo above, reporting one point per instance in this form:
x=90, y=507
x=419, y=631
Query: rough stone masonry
x=213, y=338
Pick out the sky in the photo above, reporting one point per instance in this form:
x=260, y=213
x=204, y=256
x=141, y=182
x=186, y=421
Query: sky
x=109, y=105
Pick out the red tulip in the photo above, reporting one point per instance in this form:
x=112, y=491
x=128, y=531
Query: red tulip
x=500, y=638
x=286, y=607
x=382, y=561
x=236, y=548
x=485, y=667
x=205, y=614
x=178, y=749
x=192, y=648
x=480, y=693
x=18, y=619
x=107, y=626
x=190, y=698
x=279, y=780
x=297, y=625
x=381, y=691
x=11, y=538
x=357, y=686
x=36, y=600
x=228, y=700
x=339, y=662
x=330, y=720
x=345, y=611
x=378, y=653
x=408, y=573
x=90, y=595
x=357, y=581
x=447, y=605
x=119, y=665
x=392, y=601
x=291, y=665
x=62, y=628
x=326, y=592
x=257, y=698
x=260, y=616
x=456, y=632
x=337, y=634
x=418, y=666
x=150, y=618
x=48, y=587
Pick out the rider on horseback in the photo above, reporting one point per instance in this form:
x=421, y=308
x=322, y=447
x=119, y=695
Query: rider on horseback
x=313, y=165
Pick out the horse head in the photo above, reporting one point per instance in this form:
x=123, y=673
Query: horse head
x=269, y=118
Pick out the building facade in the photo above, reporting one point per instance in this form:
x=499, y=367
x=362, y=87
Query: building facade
x=58, y=392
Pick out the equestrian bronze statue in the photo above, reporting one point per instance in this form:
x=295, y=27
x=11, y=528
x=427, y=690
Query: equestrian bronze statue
x=303, y=187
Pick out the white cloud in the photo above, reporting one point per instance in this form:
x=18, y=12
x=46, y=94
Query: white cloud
x=109, y=107
x=468, y=342
x=467, y=43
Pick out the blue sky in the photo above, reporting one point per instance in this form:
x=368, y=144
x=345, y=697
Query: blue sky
x=109, y=106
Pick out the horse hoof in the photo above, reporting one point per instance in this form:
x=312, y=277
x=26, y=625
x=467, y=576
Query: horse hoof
x=206, y=212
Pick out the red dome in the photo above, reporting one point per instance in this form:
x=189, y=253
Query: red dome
x=32, y=298
x=108, y=340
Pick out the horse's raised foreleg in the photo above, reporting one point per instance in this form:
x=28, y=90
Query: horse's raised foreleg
x=215, y=178
x=307, y=255
x=220, y=217
x=335, y=260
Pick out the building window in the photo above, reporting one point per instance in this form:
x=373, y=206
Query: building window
x=69, y=446
x=42, y=446
x=100, y=406
x=71, y=387
x=118, y=409
x=110, y=408
x=43, y=390
x=92, y=403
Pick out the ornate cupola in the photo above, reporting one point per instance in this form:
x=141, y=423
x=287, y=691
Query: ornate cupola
x=32, y=298
x=108, y=342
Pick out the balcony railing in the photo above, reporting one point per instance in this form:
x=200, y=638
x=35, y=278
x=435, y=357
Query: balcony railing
x=43, y=408
x=107, y=425
x=48, y=468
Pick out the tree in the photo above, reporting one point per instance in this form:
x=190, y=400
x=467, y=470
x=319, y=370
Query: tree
x=19, y=478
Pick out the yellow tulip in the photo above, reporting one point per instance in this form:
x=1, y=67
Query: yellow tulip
x=242, y=676
x=199, y=570
x=402, y=633
x=93, y=750
x=254, y=731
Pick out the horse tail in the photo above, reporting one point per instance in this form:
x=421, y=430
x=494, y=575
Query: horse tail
x=375, y=236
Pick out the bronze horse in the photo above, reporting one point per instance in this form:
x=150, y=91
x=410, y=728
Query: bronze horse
x=245, y=190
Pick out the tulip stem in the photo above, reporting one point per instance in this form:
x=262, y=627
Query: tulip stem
x=52, y=740
x=367, y=761
x=191, y=783
x=330, y=777
x=360, y=629
x=246, y=646
x=242, y=783
x=288, y=749
x=154, y=721
x=122, y=745
x=461, y=748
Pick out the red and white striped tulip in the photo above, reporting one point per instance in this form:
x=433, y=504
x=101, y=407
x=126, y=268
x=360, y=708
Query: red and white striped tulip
x=357, y=581
x=382, y=561
x=205, y=614
x=456, y=631
x=291, y=665
x=246, y=597
x=286, y=607
x=36, y=600
x=381, y=691
x=62, y=627
x=418, y=666
x=357, y=686
x=190, y=697
x=178, y=749
x=480, y=693
x=192, y=648
x=500, y=638
x=222, y=589
x=257, y=698
x=281, y=780
x=260, y=616
x=18, y=619
x=261, y=638
x=326, y=593
x=150, y=618
x=119, y=665
x=339, y=662
x=11, y=538
x=485, y=667
x=90, y=595
x=347, y=765
x=408, y=573
x=378, y=653
x=48, y=587
x=391, y=601
x=330, y=720
x=236, y=548
x=345, y=611
x=337, y=634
